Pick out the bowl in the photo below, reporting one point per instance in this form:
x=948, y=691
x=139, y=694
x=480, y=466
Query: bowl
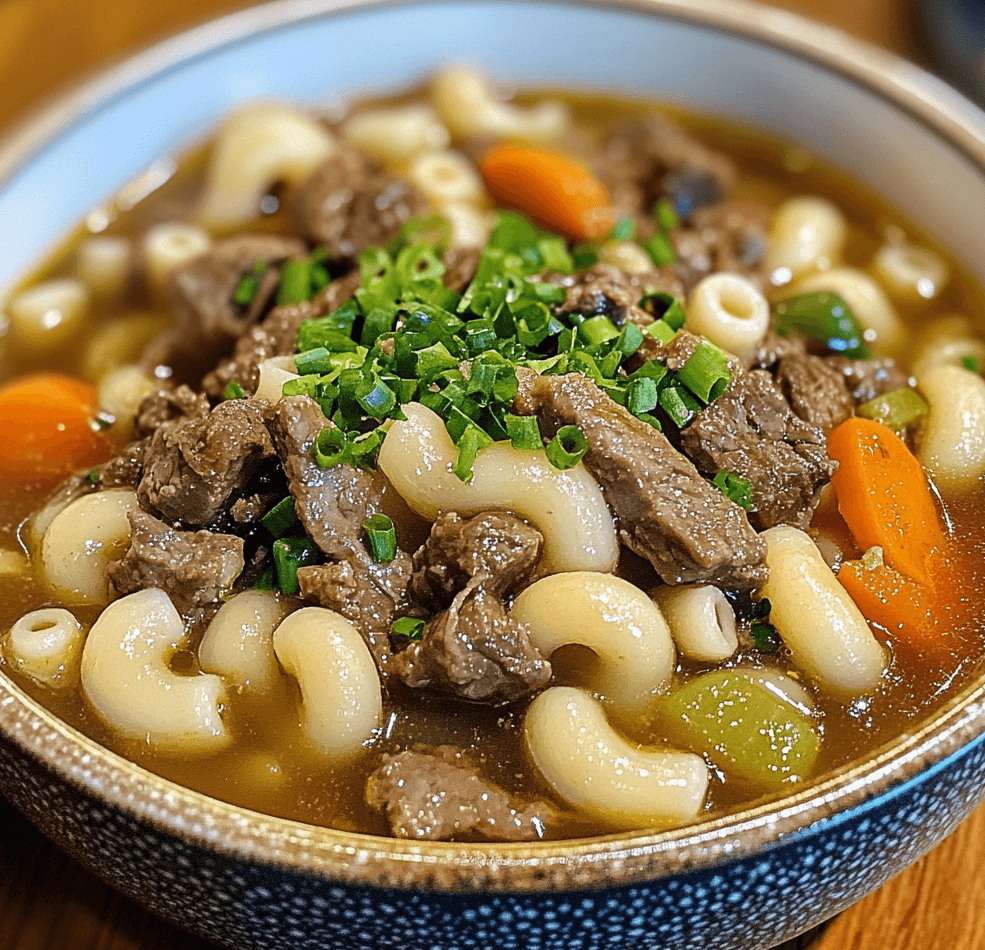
x=748, y=880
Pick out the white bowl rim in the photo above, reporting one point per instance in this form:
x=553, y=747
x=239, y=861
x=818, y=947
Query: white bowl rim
x=610, y=860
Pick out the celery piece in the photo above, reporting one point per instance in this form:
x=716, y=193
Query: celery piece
x=752, y=735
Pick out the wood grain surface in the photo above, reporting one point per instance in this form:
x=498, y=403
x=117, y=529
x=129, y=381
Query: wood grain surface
x=47, y=902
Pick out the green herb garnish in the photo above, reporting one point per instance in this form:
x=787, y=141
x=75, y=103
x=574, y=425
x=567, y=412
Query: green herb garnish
x=233, y=390
x=735, y=488
x=289, y=555
x=382, y=538
x=822, y=316
x=410, y=627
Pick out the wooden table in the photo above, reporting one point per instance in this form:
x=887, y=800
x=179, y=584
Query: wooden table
x=47, y=902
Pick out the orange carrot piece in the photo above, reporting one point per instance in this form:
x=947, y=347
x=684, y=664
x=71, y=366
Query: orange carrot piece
x=46, y=427
x=556, y=193
x=883, y=497
x=903, y=607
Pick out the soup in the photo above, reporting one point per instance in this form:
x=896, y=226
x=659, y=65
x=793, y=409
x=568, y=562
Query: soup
x=475, y=469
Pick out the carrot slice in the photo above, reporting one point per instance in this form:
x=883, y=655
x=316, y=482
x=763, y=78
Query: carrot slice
x=46, y=427
x=556, y=193
x=903, y=607
x=884, y=498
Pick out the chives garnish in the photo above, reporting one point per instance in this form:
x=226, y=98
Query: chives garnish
x=567, y=448
x=382, y=538
x=971, y=363
x=734, y=487
x=295, y=282
x=764, y=636
x=660, y=249
x=706, y=372
x=379, y=401
x=641, y=396
x=524, y=432
x=249, y=284
x=625, y=230
x=93, y=477
x=896, y=409
x=289, y=555
x=664, y=216
x=410, y=627
x=233, y=390
x=679, y=404
x=267, y=581
x=281, y=518
x=330, y=448
x=826, y=317
x=598, y=330
x=661, y=331
x=664, y=307
x=472, y=440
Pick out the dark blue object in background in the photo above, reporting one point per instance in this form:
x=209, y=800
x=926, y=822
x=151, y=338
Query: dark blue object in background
x=954, y=33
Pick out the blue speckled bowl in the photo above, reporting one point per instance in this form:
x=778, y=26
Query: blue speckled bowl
x=747, y=881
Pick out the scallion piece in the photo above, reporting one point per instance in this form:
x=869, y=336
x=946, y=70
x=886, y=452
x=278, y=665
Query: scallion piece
x=664, y=307
x=267, y=581
x=625, y=230
x=598, y=330
x=330, y=448
x=971, y=363
x=249, y=284
x=735, y=488
x=660, y=249
x=281, y=518
x=822, y=316
x=92, y=478
x=471, y=442
x=764, y=636
x=661, y=331
x=706, y=372
x=289, y=555
x=410, y=627
x=679, y=404
x=630, y=339
x=896, y=409
x=524, y=432
x=641, y=396
x=295, y=282
x=567, y=448
x=664, y=216
x=376, y=399
x=233, y=390
x=302, y=386
x=555, y=255
x=382, y=538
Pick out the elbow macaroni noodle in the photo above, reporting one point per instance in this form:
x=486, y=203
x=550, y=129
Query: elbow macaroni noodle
x=46, y=645
x=730, y=311
x=808, y=234
x=701, y=621
x=49, y=315
x=567, y=507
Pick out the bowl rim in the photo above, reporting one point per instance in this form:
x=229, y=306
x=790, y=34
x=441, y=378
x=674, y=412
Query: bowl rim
x=618, y=859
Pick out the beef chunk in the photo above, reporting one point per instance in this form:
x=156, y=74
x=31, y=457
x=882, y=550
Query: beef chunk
x=194, y=568
x=867, y=379
x=123, y=470
x=202, y=290
x=347, y=204
x=277, y=335
x=439, y=796
x=194, y=466
x=750, y=431
x=815, y=390
x=498, y=548
x=476, y=651
x=166, y=405
x=605, y=290
x=332, y=504
x=731, y=236
x=667, y=512
x=473, y=649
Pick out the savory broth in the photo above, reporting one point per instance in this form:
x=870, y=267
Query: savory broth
x=271, y=766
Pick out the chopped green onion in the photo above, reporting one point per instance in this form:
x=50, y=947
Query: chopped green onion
x=641, y=396
x=764, y=636
x=630, y=339
x=233, y=390
x=584, y=256
x=664, y=216
x=93, y=477
x=706, y=372
x=267, y=581
x=289, y=555
x=471, y=441
x=761, y=608
x=249, y=284
x=598, y=330
x=567, y=448
x=826, y=317
x=410, y=627
x=971, y=363
x=661, y=331
x=896, y=409
x=664, y=307
x=379, y=401
x=679, y=404
x=735, y=488
x=651, y=369
x=302, y=386
x=382, y=538
x=295, y=282
x=281, y=518
x=555, y=256
x=330, y=448
x=660, y=249
x=524, y=432
x=625, y=230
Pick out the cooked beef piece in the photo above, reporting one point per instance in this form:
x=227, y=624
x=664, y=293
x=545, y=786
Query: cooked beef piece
x=166, y=405
x=667, y=512
x=276, y=336
x=816, y=391
x=497, y=548
x=730, y=236
x=476, y=651
x=751, y=432
x=194, y=568
x=195, y=466
x=603, y=289
x=439, y=796
x=460, y=267
x=348, y=203
x=867, y=379
x=332, y=504
x=123, y=470
x=208, y=319
x=663, y=160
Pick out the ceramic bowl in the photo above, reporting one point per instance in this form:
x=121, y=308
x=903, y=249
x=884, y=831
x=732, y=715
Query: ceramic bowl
x=745, y=881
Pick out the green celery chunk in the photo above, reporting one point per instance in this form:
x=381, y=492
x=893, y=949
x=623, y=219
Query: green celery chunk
x=752, y=735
